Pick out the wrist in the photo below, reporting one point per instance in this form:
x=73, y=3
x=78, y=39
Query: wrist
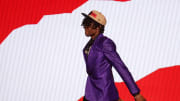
x=136, y=94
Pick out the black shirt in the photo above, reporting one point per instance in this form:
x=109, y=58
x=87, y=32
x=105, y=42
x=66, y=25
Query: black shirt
x=88, y=46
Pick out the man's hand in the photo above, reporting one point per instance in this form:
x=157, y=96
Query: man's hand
x=139, y=97
x=120, y=100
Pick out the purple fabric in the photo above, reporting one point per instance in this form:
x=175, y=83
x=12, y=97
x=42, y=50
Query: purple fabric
x=100, y=84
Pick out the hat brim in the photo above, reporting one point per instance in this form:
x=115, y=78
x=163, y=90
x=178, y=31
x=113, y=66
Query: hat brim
x=85, y=15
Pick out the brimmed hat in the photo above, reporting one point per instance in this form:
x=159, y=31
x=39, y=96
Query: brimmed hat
x=96, y=16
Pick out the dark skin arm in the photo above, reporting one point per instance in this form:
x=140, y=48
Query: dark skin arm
x=138, y=97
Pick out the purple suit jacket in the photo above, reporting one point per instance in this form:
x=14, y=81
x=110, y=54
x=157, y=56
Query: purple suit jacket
x=100, y=84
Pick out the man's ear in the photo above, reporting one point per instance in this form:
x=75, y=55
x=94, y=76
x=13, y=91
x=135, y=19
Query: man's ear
x=99, y=27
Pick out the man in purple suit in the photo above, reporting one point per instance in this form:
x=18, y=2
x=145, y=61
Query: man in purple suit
x=100, y=55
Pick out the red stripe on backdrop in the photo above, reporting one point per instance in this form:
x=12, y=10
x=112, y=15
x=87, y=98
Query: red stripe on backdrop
x=16, y=13
x=161, y=85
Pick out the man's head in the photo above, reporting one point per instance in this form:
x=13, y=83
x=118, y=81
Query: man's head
x=93, y=23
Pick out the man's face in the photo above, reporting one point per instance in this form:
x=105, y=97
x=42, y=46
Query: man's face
x=89, y=30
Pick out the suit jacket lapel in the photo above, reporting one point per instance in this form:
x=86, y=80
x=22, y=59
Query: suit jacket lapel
x=96, y=42
x=92, y=47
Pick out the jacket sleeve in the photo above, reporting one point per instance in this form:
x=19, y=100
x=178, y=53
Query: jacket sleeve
x=109, y=50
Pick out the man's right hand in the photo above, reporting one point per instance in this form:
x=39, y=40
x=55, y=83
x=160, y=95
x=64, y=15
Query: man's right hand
x=120, y=100
x=139, y=97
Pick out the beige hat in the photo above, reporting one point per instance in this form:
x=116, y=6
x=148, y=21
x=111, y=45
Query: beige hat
x=97, y=16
